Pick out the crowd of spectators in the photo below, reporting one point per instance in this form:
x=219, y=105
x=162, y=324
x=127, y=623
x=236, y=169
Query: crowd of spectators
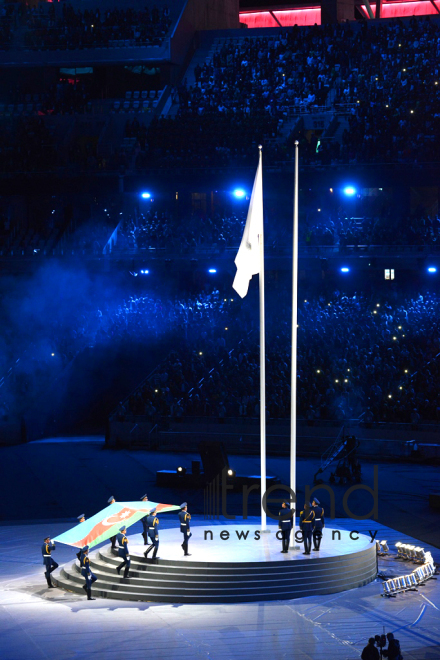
x=6, y=12
x=66, y=97
x=36, y=354
x=394, y=80
x=340, y=230
x=207, y=140
x=93, y=28
x=154, y=229
x=178, y=231
x=357, y=358
x=384, y=78
x=369, y=358
x=26, y=145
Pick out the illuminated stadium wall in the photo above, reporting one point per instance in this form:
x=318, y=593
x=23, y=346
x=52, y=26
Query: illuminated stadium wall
x=311, y=15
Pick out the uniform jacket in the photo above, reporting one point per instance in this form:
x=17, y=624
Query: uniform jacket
x=306, y=519
x=184, y=518
x=85, y=565
x=285, y=522
x=318, y=521
x=46, y=549
x=123, y=544
x=153, y=524
x=144, y=522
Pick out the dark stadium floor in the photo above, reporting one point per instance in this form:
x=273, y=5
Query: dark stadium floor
x=66, y=476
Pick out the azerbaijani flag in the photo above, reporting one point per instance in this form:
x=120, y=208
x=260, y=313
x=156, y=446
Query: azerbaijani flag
x=107, y=522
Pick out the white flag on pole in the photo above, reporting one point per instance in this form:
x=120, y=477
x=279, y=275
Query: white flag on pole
x=248, y=259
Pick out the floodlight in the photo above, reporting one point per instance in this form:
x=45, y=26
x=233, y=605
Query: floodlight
x=239, y=193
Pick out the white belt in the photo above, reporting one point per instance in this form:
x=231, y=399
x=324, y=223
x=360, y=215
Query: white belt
x=183, y=524
x=316, y=519
x=46, y=555
x=151, y=528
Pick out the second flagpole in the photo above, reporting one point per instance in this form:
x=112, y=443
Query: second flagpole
x=262, y=376
x=294, y=347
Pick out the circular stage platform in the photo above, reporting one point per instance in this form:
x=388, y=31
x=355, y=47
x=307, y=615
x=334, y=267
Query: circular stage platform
x=240, y=567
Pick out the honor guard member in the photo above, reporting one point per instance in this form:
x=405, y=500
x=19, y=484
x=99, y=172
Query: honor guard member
x=86, y=572
x=81, y=519
x=318, y=523
x=184, y=518
x=47, y=547
x=144, y=522
x=111, y=500
x=123, y=551
x=306, y=525
x=285, y=524
x=153, y=533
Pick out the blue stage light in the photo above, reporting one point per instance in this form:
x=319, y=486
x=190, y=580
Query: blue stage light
x=146, y=195
x=239, y=193
x=344, y=269
x=432, y=269
x=212, y=270
x=144, y=272
x=349, y=191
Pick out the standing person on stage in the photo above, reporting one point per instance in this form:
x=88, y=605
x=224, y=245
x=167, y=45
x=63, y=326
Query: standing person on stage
x=86, y=572
x=81, y=519
x=47, y=547
x=144, y=522
x=123, y=551
x=318, y=523
x=306, y=525
x=153, y=533
x=184, y=518
x=285, y=524
x=110, y=500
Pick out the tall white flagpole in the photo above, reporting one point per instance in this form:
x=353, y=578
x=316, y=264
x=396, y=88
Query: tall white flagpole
x=249, y=262
x=262, y=371
x=294, y=345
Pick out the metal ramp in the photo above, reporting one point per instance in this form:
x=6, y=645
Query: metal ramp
x=342, y=447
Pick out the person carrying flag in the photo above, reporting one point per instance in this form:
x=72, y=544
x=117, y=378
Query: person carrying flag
x=123, y=551
x=153, y=533
x=184, y=518
x=111, y=500
x=86, y=572
x=46, y=550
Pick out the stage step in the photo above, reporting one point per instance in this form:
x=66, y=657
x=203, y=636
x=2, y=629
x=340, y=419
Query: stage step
x=182, y=581
x=187, y=580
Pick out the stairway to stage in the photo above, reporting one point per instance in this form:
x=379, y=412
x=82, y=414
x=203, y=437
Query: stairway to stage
x=227, y=570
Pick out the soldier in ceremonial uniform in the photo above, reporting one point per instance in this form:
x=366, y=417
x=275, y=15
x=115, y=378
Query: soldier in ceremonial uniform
x=123, y=551
x=46, y=549
x=184, y=518
x=81, y=519
x=144, y=522
x=318, y=523
x=306, y=525
x=153, y=533
x=86, y=572
x=110, y=500
x=285, y=524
